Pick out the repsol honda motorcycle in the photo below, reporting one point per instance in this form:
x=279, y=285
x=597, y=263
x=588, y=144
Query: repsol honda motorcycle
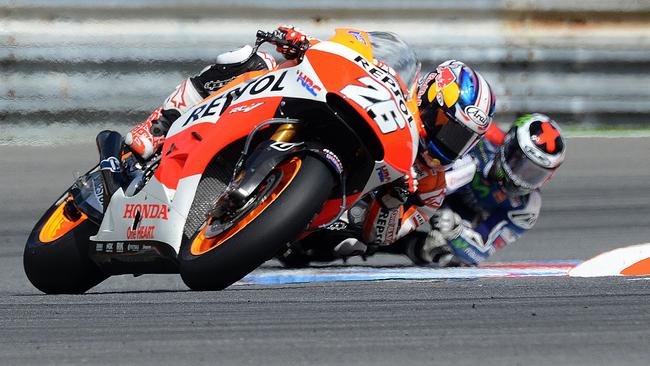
x=266, y=160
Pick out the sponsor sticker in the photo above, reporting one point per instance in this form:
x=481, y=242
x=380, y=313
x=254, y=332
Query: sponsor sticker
x=111, y=164
x=146, y=211
x=338, y=225
x=444, y=78
x=214, y=85
x=383, y=174
x=381, y=96
x=121, y=247
x=98, y=189
x=142, y=232
x=246, y=108
x=332, y=158
x=358, y=37
x=307, y=83
x=271, y=82
x=477, y=116
x=284, y=146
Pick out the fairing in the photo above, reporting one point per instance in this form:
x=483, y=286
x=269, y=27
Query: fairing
x=232, y=113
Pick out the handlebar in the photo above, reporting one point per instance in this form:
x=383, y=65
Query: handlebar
x=276, y=38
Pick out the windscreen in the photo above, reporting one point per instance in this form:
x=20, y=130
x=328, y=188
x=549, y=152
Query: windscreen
x=390, y=49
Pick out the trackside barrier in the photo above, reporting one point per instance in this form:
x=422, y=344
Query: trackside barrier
x=584, y=62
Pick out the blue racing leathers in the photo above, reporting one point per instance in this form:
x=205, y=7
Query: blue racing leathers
x=491, y=218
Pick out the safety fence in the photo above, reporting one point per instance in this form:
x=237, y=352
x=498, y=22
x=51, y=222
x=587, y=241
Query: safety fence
x=585, y=62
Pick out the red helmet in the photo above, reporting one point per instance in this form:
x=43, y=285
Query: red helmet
x=456, y=106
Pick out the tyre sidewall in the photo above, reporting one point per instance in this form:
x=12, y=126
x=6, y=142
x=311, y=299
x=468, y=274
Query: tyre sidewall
x=64, y=265
x=281, y=222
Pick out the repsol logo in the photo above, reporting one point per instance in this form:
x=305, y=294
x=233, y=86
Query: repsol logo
x=381, y=96
x=380, y=225
x=146, y=210
x=383, y=76
x=219, y=104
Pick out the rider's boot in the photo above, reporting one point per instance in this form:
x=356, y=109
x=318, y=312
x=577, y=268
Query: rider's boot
x=109, y=144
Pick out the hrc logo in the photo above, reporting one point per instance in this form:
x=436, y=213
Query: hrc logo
x=308, y=84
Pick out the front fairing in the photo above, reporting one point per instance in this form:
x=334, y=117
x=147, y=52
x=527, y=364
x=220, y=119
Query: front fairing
x=328, y=67
x=375, y=94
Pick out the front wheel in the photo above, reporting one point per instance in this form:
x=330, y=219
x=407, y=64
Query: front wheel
x=300, y=186
x=56, y=259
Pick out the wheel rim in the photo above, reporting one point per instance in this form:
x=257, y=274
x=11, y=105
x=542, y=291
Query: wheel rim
x=201, y=244
x=58, y=224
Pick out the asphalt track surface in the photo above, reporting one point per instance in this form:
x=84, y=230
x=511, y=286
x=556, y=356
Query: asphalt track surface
x=600, y=200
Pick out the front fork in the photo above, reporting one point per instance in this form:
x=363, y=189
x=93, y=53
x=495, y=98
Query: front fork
x=255, y=165
x=285, y=133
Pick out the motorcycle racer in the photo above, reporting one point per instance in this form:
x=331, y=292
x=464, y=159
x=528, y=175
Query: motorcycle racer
x=503, y=200
x=456, y=106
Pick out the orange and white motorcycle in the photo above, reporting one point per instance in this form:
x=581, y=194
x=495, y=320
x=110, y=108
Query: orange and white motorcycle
x=264, y=161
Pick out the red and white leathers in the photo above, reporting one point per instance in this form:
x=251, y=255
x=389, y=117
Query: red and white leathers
x=147, y=137
x=388, y=220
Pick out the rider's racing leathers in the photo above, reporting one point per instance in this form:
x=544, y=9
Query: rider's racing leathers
x=147, y=137
x=491, y=218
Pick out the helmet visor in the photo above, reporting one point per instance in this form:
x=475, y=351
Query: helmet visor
x=521, y=170
x=448, y=140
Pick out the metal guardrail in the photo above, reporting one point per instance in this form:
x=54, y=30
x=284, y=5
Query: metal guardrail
x=73, y=60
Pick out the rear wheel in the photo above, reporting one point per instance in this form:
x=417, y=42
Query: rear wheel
x=295, y=192
x=56, y=259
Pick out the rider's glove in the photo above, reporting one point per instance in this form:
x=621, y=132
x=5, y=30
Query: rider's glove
x=395, y=195
x=294, y=36
x=447, y=222
x=160, y=126
x=431, y=248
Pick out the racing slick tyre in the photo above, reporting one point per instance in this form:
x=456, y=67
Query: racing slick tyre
x=291, y=200
x=56, y=259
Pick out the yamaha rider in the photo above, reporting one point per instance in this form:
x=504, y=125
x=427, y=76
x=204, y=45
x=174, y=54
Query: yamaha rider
x=503, y=200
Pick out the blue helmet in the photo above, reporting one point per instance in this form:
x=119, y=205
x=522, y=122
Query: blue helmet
x=456, y=107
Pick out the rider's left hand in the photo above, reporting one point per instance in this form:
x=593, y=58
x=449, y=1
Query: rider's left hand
x=294, y=36
x=447, y=222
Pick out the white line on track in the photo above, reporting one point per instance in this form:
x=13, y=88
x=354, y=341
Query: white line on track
x=272, y=276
